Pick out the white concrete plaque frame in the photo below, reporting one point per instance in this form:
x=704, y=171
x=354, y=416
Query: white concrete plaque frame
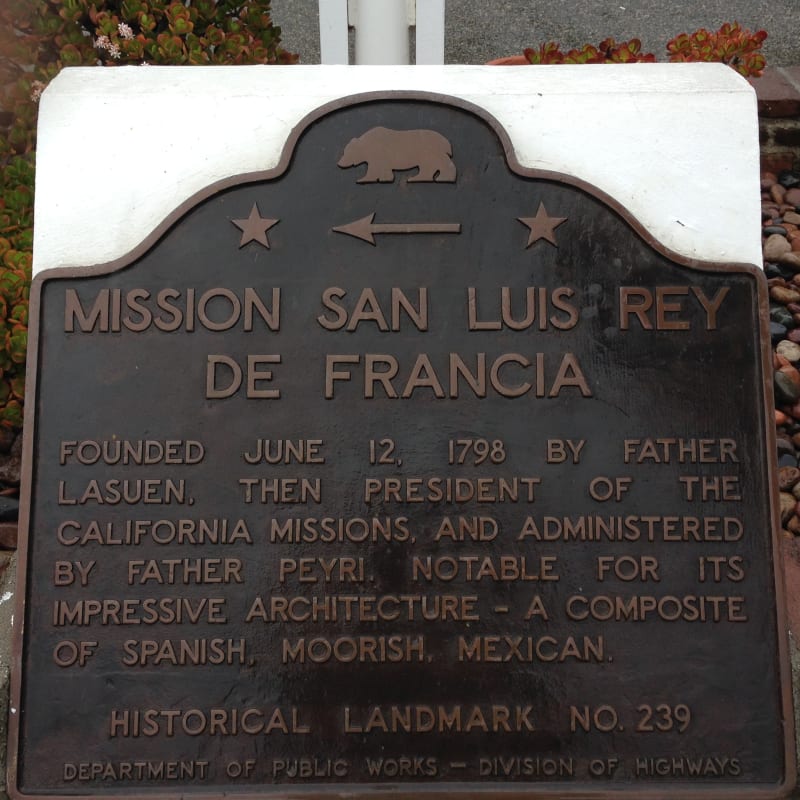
x=123, y=151
x=120, y=149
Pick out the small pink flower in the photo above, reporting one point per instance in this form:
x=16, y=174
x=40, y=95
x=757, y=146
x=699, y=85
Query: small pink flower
x=113, y=50
x=102, y=42
x=125, y=30
x=37, y=87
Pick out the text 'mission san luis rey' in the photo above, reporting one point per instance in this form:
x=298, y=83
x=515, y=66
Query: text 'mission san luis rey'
x=660, y=308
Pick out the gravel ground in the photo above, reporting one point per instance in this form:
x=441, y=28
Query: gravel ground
x=781, y=243
x=477, y=31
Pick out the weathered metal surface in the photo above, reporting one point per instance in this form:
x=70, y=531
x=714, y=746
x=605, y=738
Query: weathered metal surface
x=401, y=469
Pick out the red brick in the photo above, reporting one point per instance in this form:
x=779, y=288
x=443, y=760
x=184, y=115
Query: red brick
x=777, y=161
x=787, y=135
x=778, y=96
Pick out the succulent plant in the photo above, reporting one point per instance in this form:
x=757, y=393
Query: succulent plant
x=16, y=233
x=731, y=44
x=607, y=52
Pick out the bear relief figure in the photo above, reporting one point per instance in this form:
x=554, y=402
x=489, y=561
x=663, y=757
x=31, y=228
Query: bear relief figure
x=386, y=151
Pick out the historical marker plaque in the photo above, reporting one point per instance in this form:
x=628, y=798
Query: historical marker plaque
x=401, y=469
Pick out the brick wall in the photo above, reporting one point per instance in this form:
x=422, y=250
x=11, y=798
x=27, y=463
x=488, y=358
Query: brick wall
x=778, y=92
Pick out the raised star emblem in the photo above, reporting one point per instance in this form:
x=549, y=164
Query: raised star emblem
x=255, y=227
x=542, y=226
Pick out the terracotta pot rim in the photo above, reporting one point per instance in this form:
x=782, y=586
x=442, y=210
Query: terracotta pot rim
x=508, y=61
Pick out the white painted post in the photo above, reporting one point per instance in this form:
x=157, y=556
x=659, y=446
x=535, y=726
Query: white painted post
x=381, y=31
x=333, y=39
x=430, y=32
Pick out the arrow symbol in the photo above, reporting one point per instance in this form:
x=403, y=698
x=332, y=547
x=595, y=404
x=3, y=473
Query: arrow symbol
x=365, y=228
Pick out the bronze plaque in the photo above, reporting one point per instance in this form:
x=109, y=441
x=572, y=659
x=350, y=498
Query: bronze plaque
x=401, y=469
